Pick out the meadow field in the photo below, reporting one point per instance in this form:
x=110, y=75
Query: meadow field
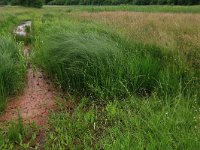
x=128, y=77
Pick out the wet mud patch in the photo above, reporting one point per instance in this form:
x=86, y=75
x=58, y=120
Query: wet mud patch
x=23, y=29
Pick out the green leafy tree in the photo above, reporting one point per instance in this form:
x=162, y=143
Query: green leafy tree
x=37, y=3
x=3, y=2
x=14, y=2
x=28, y=3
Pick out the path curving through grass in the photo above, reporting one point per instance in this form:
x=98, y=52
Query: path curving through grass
x=37, y=98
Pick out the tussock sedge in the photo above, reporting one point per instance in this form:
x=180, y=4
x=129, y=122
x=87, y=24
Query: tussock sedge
x=107, y=67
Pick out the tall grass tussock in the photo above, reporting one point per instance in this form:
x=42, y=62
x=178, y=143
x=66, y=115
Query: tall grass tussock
x=107, y=66
x=12, y=69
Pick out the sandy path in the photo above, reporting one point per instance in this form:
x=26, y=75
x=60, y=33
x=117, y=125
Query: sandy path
x=35, y=102
x=37, y=99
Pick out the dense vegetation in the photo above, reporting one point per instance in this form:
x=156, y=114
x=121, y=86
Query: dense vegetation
x=128, y=80
x=39, y=3
x=3, y=2
x=27, y=3
x=11, y=70
x=81, y=63
x=130, y=8
x=125, y=92
x=118, y=2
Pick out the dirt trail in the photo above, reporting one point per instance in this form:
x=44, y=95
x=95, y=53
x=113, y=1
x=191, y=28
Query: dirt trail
x=37, y=99
x=35, y=102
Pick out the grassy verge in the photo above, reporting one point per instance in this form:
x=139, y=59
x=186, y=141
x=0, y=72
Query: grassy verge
x=12, y=69
x=129, y=124
x=18, y=136
x=134, y=8
x=12, y=63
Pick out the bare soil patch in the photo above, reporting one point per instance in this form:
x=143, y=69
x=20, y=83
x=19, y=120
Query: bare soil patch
x=38, y=96
x=36, y=101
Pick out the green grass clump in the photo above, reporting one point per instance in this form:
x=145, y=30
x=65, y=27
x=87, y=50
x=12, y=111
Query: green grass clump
x=128, y=124
x=105, y=66
x=18, y=136
x=82, y=63
x=27, y=40
x=7, y=22
x=12, y=70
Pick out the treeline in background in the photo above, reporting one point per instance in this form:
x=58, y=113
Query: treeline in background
x=119, y=2
x=28, y=3
x=39, y=3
